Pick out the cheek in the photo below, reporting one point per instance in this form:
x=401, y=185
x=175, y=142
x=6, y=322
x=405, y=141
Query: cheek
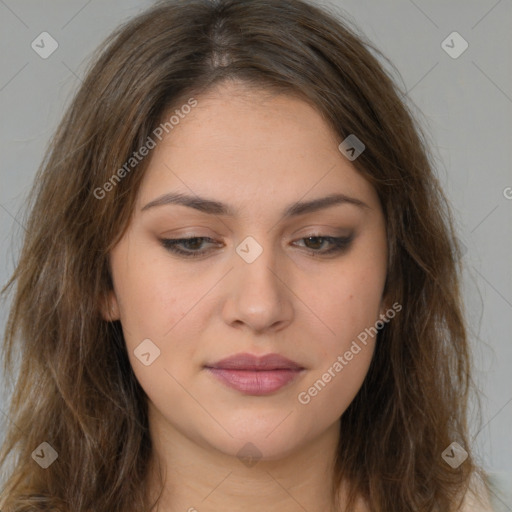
x=327, y=394
x=345, y=348
x=151, y=300
x=346, y=300
x=160, y=304
x=349, y=300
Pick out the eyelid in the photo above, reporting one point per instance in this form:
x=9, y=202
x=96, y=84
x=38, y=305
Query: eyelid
x=303, y=232
x=339, y=245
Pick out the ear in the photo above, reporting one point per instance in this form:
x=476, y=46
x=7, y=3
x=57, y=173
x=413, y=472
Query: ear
x=109, y=307
x=385, y=305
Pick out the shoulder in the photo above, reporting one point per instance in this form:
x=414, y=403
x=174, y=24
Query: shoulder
x=477, y=497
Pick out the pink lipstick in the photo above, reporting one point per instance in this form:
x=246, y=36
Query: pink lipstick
x=255, y=375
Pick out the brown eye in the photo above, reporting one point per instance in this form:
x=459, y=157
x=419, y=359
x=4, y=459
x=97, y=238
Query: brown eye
x=192, y=245
x=338, y=244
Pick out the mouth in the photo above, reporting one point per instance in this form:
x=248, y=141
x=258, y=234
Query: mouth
x=255, y=375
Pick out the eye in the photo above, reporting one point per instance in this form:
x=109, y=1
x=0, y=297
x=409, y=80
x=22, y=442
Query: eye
x=191, y=247
x=338, y=244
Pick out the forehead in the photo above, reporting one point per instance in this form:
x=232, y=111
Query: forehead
x=244, y=117
x=240, y=144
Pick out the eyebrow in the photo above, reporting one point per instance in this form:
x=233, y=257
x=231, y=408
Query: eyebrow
x=217, y=208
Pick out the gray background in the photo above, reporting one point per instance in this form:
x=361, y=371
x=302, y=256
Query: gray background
x=465, y=104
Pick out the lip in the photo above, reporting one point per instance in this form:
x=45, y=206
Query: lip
x=245, y=361
x=255, y=375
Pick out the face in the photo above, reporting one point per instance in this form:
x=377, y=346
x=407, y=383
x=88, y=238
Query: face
x=257, y=277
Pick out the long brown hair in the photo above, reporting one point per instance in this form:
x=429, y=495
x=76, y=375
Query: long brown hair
x=75, y=388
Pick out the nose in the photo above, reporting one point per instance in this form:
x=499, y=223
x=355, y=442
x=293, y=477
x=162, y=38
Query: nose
x=259, y=295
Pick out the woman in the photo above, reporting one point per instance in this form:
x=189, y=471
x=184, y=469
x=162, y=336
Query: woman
x=239, y=287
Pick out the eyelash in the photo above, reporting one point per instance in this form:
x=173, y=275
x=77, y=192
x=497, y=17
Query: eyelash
x=341, y=244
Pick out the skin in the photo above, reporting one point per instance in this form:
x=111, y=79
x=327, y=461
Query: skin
x=259, y=153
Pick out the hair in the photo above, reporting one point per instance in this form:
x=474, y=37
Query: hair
x=75, y=388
